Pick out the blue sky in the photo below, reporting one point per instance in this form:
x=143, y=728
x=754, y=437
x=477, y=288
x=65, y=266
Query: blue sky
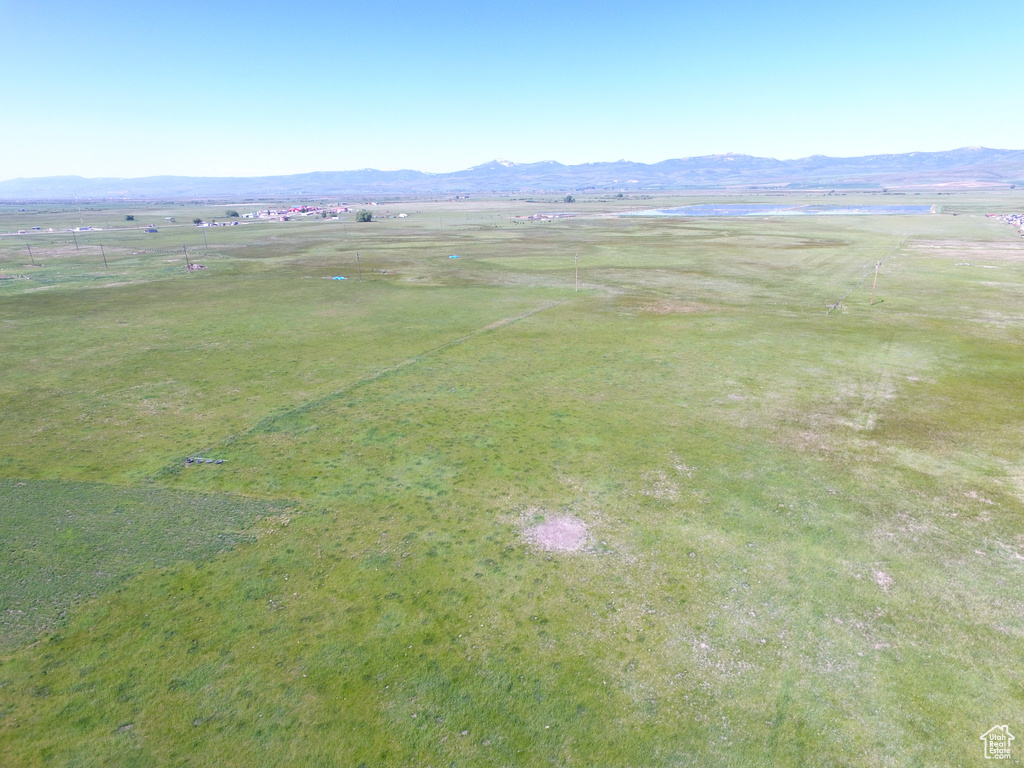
x=111, y=88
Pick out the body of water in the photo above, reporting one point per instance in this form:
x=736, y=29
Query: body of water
x=781, y=209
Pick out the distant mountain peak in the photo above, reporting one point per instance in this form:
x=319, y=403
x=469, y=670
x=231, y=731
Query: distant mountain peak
x=966, y=165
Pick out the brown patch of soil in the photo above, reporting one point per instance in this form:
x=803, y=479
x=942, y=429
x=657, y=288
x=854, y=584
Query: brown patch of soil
x=558, y=534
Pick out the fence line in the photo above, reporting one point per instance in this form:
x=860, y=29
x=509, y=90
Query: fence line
x=864, y=277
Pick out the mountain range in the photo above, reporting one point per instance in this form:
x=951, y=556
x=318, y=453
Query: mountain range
x=968, y=166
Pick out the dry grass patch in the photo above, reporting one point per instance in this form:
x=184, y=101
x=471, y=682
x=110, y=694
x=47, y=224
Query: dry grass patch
x=669, y=307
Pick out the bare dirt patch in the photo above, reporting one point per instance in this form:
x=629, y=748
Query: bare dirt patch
x=882, y=579
x=563, y=533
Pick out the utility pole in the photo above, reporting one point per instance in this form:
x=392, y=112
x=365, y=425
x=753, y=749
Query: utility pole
x=188, y=264
x=206, y=245
x=874, y=283
x=104, y=254
x=359, y=264
x=76, y=240
x=30, y=257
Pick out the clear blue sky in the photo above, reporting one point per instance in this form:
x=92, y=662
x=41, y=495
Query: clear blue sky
x=110, y=88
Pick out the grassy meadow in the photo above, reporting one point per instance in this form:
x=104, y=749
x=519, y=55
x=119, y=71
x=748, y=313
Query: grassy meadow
x=804, y=509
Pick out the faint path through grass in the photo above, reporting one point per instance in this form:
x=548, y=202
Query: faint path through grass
x=271, y=422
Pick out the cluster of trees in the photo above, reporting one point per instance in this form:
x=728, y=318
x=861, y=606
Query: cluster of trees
x=364, y=215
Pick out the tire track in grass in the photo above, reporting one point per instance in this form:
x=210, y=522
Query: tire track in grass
x=267, y=423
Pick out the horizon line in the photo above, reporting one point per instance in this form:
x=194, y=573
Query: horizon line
x=506, y=163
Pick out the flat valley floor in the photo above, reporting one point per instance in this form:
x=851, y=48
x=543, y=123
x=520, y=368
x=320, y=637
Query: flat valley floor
x=720, y=506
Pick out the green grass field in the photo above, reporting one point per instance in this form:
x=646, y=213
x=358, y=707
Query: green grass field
x=804, y=530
